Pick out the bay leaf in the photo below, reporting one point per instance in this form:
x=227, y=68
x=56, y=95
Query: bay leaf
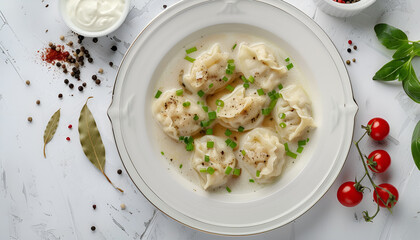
x=51, y=128
x=91, y=141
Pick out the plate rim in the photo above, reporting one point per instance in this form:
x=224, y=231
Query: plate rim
x=332, y=49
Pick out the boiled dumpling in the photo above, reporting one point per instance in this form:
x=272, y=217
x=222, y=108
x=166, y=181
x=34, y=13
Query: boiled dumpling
x=242, y=108
x=293, y=113
x=220, y=156
x=258, y=61
x=207, y=72
x=262, y=153
x=176, y=119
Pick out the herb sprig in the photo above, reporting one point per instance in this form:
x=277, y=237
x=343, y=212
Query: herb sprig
x=400, y=67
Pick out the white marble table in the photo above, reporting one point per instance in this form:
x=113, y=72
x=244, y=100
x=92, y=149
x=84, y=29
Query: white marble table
x=52, y=198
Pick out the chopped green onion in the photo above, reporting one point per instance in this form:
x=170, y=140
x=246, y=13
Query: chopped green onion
x=220, y=103
x=209, y=131
x=289, y=66
x=225, y=79
x=287, y=59
x=237, y=172
x=265, y=111
x=280, y=86
x=307, y=140
x=195, y=117
x=234, y=46
x=162, y=153
x=189, y=147
x=299, y=149
x=246, y=85
x=210, y=144
x=191, y=50
x=205, y=108
x=203, y=169
x=206, y=158
x=231, y=61
x=228, y=170
x=179, y=92
x=231, y=143
x=282, y=125
x=283, y=116
x=181, y=138
x=228, y=189
x=180, y=166
x=212, y=115
x=228, y=132
x=258, y=173
x=228, y=71
x=286, y=147
x=205, y=123
x=251, y=79
x=291, y=154
x=302, y=142
x=260, y=92
x=210, y=170
x=251, y=180
x=158, y=93
x=244, y=79
x=243, y=152
x=230, y=88
x=200, y=93
x=186, y=104
x=228, y=141
x=211, y=85
x=241, y=129
x=189, y=59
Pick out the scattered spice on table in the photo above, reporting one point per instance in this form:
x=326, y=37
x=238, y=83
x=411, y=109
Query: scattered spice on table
x=29, y=119
x=28, y=82
x=164, y=6
x=94, y=206
x=94, y=77
x=93, y=228
x=122, y=206
x=66, y=81
x=350, y=42
x=354, y=59
x=62, y=38
x=355, y=47
x=111, y=64
x=119, y=171
x=80, y=88
x=70, y=126
x=95, y=39
x=98, y=82
x=67, y=138
x=38, y=102
x=60, y=95
x=349, y=50
x=348, y=62
x=114, y=48
x=71, y=85
x=84, y=84
x=101, y=70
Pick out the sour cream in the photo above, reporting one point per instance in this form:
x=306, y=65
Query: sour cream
x=95, y=15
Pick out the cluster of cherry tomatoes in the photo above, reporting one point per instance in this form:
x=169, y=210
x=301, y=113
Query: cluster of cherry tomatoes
x=350, y=194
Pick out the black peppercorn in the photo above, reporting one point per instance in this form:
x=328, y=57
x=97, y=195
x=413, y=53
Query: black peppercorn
x=111, y=64
x=348, y=50
x=164, y=6
x=95, y=40
x=119, y=171
x=93, y=228
x=114, y=48
x=86, y=51
x=71, y=85
x=94, y=206
x=60, y=95
x=94, y=77
x=355, y=47
x=66, y=81
x=72, y=74
x=90, y=60
x=77, y=51
x=80, y=88
x=98, y=81
x=84, y=84
x=58, y=64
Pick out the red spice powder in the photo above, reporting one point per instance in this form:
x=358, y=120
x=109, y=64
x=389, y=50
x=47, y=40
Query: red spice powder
x=50, y=55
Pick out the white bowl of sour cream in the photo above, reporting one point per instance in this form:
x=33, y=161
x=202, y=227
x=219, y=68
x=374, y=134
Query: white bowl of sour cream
x=94, y=18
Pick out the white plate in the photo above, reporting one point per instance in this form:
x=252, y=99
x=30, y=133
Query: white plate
x=300, y=187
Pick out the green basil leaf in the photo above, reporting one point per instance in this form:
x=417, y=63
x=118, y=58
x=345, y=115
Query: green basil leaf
x=415, y=145
x=405, y=70
x=403, y=51
x=416, y=48
x=411, y=85
x=389, y=36
x=391, y=70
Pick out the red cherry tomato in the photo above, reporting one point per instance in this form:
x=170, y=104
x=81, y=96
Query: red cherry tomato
x=386, y=199
x=379, y=128
x=348, y=195
x=379, y=161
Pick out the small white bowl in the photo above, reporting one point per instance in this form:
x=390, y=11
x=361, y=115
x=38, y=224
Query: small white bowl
x=343, y=9
x=76, y=29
